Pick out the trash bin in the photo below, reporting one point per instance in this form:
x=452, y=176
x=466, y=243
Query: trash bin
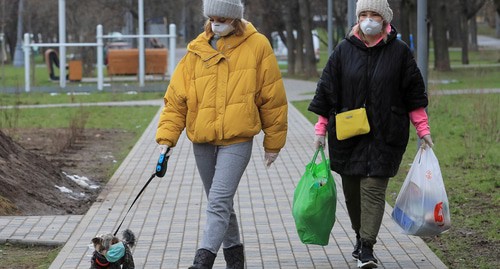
x=75, y=70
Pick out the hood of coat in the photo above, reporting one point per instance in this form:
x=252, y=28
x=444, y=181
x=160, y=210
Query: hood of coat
x=357, y=42
x=201, y=44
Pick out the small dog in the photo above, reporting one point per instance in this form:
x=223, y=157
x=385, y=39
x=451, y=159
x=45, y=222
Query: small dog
x=110, y=254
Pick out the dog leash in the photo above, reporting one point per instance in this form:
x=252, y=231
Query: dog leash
x=161, y=169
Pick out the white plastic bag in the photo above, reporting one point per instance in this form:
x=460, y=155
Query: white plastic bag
x=422, y=206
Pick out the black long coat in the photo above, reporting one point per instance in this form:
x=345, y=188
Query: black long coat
x=387, y=80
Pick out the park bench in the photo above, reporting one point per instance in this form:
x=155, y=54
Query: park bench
x=126, y=61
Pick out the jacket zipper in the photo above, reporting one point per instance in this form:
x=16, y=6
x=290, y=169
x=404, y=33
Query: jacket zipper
x=370, y=74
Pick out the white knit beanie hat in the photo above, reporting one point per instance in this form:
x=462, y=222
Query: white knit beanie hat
x=232, y=9
x=379, y=6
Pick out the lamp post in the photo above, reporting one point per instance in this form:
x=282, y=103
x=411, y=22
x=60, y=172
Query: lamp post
x=330, y=27
x=18, y=53
x=351, y=16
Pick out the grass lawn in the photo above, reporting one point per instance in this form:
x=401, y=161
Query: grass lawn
x=465, y=78
x=466, y=132
x=37, y=98
x=36, y=257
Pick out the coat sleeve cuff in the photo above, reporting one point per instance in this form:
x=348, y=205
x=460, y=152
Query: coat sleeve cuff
x=320, y=126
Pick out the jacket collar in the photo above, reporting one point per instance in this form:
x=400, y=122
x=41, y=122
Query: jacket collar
x=201, y=45
x=354, y=38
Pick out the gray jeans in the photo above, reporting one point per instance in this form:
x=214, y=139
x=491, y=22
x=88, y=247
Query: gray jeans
x=365, y=201
x=221, y=169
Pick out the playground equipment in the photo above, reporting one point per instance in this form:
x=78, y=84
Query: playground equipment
x=74, y=66
x=99, y=44
x=51, y=60
x=100, y=52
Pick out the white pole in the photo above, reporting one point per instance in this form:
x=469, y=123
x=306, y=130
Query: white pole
x=27, y=67
x=62, y=41
x=100, y=61
x=172, y=43
x=422, y=50
x=141, y=43
x=351, y=14
x=18, y=53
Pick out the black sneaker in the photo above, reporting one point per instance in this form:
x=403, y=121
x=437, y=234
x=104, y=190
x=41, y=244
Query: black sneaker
x=357, y=248
x=366, y=258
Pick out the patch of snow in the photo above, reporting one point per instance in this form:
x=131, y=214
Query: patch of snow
x=82, y=181
x=64, y=189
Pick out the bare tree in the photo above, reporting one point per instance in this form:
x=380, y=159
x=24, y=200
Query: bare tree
x=437, y=14
x=469, y=9
x=10, y=25
x=288, y=11
x=306, y=23
x=497, y=6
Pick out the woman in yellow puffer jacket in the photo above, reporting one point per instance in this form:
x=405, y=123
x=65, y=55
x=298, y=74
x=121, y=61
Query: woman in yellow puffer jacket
x=224, y=91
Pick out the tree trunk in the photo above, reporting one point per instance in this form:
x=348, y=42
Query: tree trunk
x=309, y=57
x=497, y=25
x=497, y=6
x=289, y=40
x=404, y=22
x=437, y=14
x=473, y=34
x=454, y=23
x=299, y=48
x=464, y=37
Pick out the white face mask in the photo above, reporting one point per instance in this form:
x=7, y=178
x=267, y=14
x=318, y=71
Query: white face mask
x=222, y=29
x=370, y=26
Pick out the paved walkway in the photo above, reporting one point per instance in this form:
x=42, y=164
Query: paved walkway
x=168, y=218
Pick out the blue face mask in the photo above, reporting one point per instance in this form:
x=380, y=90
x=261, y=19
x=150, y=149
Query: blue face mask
x=115, y=252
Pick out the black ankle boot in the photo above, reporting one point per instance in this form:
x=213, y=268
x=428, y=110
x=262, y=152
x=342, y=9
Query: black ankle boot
x=366, y=258
x=235, y=257
x=357, y=247
x=203, y=259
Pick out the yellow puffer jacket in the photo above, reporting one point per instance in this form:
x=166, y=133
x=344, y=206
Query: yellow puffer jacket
x=226, y=96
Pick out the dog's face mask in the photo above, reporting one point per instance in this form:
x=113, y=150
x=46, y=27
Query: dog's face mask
x=115, y=252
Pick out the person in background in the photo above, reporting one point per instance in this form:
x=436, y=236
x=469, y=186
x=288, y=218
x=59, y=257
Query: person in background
x=370, y=68
x=224, y=91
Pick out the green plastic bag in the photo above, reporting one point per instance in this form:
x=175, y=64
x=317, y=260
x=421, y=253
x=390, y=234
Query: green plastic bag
x=315, y=202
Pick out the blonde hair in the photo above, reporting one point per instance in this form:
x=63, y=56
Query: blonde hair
x=238, y=24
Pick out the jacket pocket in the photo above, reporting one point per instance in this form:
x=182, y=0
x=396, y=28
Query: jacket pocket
x=397, y=130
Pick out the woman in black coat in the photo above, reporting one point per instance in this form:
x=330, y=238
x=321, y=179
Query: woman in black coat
x=371, y=68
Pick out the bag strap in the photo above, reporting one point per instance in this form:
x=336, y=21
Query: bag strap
x=324, y=158
x=320, y=149
x=316, y=154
